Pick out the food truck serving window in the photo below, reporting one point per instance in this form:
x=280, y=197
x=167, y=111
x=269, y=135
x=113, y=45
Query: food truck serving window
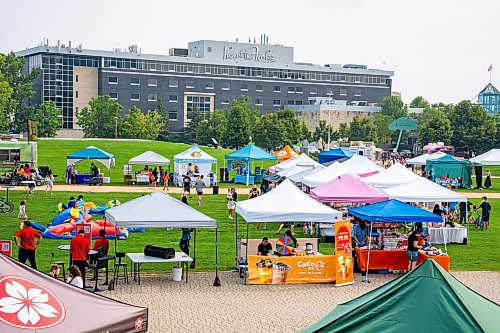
x=10, y=155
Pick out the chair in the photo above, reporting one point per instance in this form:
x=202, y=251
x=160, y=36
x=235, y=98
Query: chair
x=116, y=273
x=60, y=263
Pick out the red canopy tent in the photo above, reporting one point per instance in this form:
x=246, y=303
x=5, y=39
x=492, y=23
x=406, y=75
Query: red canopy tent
x=31, y=301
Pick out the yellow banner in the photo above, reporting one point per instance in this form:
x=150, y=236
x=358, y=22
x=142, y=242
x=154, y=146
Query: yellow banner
x=291, y=269
x=343, y=252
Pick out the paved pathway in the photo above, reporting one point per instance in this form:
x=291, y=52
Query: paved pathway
x=200, y=307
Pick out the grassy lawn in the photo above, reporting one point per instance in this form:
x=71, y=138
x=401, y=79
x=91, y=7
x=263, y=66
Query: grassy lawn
x=481, y=255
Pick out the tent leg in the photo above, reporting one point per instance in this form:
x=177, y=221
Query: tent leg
x=236, y=240
x=369, y=250
x=193, y=263
x=217, y=280
x=246, y=257
x=467, y=221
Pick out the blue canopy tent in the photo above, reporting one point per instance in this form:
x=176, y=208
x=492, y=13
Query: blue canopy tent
x=246, y=155
x=392, y=211
x=334, y=155
x=91, y=153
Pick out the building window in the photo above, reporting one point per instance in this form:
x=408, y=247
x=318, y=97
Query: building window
x=329, y=92
x=291, y=103
x=291, y=90
x=76, y=78
x=76, y=111
x=202, y=104
x=172, y=98
x=225, y=102
x=276, y=102
x=135, y=97
x=172, y=115
x=209, y=49
x=173, y=83
x=277, y=89
x=113, y=80
x=259, y=87
x=298, y=90
x=313, y=91
x=244, y=87
x=190, y=84
x=152, y=97
x=209, y=85
x=152, y=82
x=135, y=81
x=298, y=102
x=76, y=94
x=258, y=101
x=357, y=92
x=113, y=95
x=226, y=86
x=343, y=92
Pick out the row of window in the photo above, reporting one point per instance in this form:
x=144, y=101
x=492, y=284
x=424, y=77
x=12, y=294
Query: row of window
x=165, y=66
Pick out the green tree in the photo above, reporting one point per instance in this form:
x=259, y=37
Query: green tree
x=98, y=119
x=137, y=125
x=48, y=119
x=5, y=93
x=305, y=132
x=269, y=131
x=420, y=102
x=290, y=126
x=241, y=119
x=321, y=133
x=213, y=127
x=164, y=134
x=382, y=122
x=190, y=130
x=436, y=128
x=473, y=129
x=12, y=69
x=393, y=106
x=363, y=129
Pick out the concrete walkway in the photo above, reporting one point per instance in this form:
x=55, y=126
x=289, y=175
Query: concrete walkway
x=233, y=307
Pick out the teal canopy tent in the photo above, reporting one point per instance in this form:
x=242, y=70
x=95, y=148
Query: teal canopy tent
x=92, y=153
x=449, y=167
x=249, y=154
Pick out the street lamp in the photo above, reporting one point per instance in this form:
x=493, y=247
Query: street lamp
x=116, y=128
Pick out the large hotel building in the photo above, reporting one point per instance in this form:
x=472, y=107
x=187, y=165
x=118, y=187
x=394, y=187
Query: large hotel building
x=207, y=75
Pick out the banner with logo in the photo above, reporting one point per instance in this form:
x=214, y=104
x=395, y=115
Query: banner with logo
x=343, y=252
x=236, y=165
x=291, y=269
x=32, y=130
x=6, y=247
x=87, y=227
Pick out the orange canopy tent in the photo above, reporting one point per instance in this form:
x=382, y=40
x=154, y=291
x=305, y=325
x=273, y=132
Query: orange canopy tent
x=285, y=154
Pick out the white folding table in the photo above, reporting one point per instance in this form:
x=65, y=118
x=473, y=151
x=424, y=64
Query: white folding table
x=448, y=235
x=137, y=259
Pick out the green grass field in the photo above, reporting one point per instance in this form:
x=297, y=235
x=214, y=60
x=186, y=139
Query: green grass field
x=481, y=255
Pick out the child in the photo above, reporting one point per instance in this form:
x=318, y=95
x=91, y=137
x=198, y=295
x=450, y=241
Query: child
x=150, y=176
x=49, y=181
x=22, y=214
x=166, y=179
x=54, y=271
x=230, y=207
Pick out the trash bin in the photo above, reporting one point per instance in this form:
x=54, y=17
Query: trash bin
x=215, y=189
x=177, y=274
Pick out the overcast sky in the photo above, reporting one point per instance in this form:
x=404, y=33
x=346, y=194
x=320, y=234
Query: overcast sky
x=440, y=49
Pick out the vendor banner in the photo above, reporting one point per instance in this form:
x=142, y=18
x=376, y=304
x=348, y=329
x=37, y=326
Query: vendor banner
x=291, y=269
x=236, y=165
x=6, y=247
x=87, y=227
x=343, y=252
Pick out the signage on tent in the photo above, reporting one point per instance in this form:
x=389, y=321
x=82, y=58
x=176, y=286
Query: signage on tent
x=343, y=251
x=87, y=227
x=6, y=247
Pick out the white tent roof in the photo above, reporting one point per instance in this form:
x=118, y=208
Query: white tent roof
x=297, y=168
x=194, y=155
x=298, y=177
x=158, y=210
x=491, y=157
x=332, y=172
x=423, y=190
x=302, y=158
x=422, y=159
x=149, y=157
x=286, y=203
x=395, y=175
x=360, y=165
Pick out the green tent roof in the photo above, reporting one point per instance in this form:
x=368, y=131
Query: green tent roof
x=427, y=299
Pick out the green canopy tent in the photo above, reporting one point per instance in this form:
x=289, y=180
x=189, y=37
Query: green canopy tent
x=454, y=168
x=427, y=299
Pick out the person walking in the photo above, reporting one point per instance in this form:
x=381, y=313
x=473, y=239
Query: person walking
x=186, y=183
x=25, y=239
x=485, y=212
x=199, y=189
x=80, y=248
x=49, y=181
x=22, y=214
x=166, y=179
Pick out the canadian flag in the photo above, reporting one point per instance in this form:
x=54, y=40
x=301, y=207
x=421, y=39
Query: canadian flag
x=490, y=68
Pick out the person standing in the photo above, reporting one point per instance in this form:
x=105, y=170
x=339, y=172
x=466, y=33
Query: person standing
x=413, y=247
x=184, y=242
x=154, y=177
x=166, y=179
x=25, y=239
x=487, y=181
x=485, y=212
x=429, y=175
x=80, y=248
x=69, y=173
x=186, y=183
x=360, y=233
x=199, y=189
x=49, y=181
x=22, y=214
x=231, y=205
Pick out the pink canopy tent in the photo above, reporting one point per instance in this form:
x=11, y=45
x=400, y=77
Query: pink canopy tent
x=347, y=188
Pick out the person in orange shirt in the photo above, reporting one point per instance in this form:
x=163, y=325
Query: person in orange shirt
x=25, y=239
x=166, y=179
x=80, y=248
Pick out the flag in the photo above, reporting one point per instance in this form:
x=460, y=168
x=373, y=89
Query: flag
x=490, y=68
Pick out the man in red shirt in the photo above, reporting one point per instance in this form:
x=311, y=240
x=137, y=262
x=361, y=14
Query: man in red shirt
x=80, y=248
x=101, y=241
x=25, y=239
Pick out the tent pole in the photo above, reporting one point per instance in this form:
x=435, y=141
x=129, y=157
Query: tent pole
x=217, y=280
x=467, y=220
x=236, y=241
x=369, y=250
x=246, y=257
x=193, y=263
x=248, y=172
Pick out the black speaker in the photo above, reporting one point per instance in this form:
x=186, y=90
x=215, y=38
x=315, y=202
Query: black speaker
x=159, y=251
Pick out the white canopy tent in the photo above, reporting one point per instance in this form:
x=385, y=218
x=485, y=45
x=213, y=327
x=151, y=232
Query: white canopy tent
x=491, y=157
x=360, y=165
x=423, y=190
x=296, y=169
x=160, y=210
x=298, y=177
x=302, y=158
x=332, y=172
x=395, y=175
x=201, y=161
x=422, y=159
x=149, y=158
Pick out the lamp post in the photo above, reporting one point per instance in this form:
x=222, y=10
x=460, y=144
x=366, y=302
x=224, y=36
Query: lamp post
x=329, y=126
x=116, y=128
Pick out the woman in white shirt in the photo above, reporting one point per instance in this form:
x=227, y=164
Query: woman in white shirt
x=75, y=276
